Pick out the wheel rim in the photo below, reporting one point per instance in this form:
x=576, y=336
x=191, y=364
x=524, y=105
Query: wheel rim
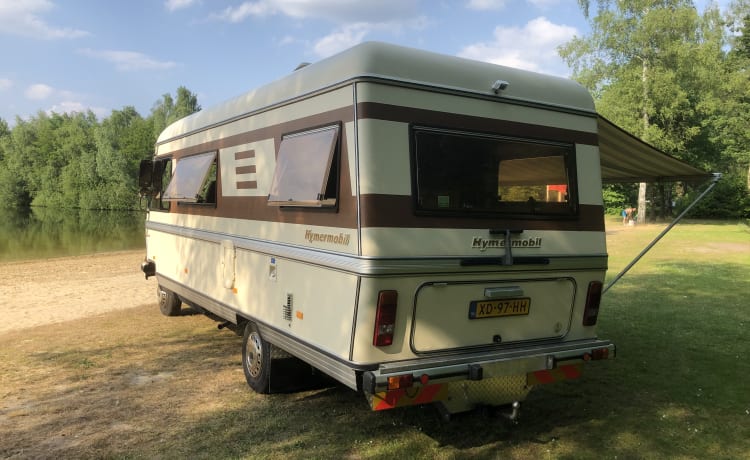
x=254, y=354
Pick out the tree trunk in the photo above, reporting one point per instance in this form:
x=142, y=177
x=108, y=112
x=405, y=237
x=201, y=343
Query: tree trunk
x=644, y=116
x=642, y=203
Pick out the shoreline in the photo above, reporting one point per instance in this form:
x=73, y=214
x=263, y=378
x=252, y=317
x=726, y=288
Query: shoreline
x=36, y=292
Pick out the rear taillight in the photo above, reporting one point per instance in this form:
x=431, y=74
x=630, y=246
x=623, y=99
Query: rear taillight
x=593, y=298
x=385, y=318
x=400, y=381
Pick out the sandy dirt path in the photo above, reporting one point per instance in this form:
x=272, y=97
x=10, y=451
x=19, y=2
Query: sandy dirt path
x=47, y=291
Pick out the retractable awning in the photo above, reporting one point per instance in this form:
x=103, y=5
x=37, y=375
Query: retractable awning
x=625, y=158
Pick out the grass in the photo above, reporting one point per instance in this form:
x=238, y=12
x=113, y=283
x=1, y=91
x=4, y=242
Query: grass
x=133, y=384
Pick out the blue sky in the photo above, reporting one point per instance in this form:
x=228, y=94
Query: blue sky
x=74, y=55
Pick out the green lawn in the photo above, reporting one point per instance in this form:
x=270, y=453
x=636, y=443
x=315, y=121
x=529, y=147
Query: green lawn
x=133, y=384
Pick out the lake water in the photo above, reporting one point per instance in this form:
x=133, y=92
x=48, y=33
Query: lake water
x=39, y=233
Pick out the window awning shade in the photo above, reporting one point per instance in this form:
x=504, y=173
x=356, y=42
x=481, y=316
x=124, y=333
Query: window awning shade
x=625, y=158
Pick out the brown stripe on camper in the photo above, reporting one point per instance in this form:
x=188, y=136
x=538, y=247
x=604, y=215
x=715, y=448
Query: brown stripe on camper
x=245, y=169
x=398, y=211
x=342, y=115
x=244, y=155
x=249, y=169
x=247, y=185
x=256, y=208
x=379, y=111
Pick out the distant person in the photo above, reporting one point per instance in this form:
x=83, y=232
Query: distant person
x=629, y=214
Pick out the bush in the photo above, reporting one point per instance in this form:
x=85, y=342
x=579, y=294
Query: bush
x=730, y=199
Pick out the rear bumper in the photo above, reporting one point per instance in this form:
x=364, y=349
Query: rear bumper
x=535, y=360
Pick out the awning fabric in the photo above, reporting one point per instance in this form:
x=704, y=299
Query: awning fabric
x=625, y=158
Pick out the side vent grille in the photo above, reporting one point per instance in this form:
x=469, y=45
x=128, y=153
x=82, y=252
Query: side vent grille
x=287, y=309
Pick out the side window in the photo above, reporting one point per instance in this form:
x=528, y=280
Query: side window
x=465, y=173
x=193, y=180
x=154, y=175
x=307, y=169
x=162, y=176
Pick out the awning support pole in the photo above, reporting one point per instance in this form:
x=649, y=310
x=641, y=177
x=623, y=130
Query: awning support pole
x=716, y=178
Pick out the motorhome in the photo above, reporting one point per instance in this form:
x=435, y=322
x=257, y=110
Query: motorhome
x=421, y=228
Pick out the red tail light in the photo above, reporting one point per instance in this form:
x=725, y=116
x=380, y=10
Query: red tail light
x=400, y=381
x=385, y=318
x=593, y=298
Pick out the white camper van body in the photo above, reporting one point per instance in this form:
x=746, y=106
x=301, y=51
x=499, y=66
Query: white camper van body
x=344, y=231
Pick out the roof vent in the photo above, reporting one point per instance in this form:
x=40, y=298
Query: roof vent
x=499, y=85
x=301, y=65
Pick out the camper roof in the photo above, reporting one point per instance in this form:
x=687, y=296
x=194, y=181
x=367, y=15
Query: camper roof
x=395, y=63
x=624, y=158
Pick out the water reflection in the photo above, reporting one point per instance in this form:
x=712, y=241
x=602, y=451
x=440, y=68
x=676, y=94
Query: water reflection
x=43, y=232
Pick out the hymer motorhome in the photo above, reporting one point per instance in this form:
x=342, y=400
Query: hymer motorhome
x=421, y=228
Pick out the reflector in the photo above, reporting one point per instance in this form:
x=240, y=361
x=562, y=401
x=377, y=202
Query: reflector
x=400, y=381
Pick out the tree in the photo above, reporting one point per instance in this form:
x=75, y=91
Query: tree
x=730, y=116
x=122, y=140
x=71, y=160
x=168, y=110
x=639, y=61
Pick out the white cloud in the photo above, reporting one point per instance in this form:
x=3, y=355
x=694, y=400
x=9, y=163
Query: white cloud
x=353, y=20
x=484, y=5
x=23, y=18
x=5, y=84
x=244, y=11
x=39, y=91
x=174, y=5
x=341, y=39
x=531, y=47
x=77, y=107
x=544, y=4
x=128, y=60
x=339, y=11
x=60, y=100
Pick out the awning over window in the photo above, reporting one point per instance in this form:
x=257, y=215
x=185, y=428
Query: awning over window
x=625, y=158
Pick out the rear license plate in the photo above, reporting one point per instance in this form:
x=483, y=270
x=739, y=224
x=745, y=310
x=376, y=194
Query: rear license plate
x=479, y=309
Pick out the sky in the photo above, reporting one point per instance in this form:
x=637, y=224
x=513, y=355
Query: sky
x=101, y=55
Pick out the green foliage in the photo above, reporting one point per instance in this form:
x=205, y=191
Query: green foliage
x=675, y=78
x=729, y=199
x=617, y=197
x=74, y=161
x=166, y=110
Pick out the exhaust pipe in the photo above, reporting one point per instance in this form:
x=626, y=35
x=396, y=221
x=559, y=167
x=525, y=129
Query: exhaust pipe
x=224, y=325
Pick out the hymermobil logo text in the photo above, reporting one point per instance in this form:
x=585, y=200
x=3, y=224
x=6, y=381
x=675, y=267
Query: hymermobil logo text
x=484, y=244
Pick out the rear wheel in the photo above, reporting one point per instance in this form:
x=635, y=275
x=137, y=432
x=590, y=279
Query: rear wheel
x=169, y=303
x=256, y=359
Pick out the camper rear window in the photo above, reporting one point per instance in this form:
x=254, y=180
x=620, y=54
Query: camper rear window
x=479, y=174
x=306, y=169
x=193, y=180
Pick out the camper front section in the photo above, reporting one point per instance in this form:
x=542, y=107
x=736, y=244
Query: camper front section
x=482, y=222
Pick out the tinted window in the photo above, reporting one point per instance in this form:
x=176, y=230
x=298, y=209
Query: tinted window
x=162, y=177
x=468, y=173
x=193, y=180
x=306, y=169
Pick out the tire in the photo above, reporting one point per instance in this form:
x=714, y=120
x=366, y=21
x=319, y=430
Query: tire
x=256, y=359
x=169, y=303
